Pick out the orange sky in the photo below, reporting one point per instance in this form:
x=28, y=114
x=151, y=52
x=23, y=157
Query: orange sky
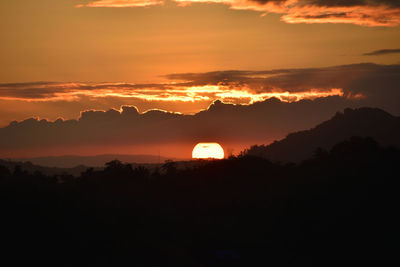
x=62, y=57
x=46, y=40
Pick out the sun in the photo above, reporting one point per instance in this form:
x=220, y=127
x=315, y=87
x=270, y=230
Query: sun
x=208, y=151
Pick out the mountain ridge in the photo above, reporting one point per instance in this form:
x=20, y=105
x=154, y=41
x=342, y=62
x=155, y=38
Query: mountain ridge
x=72, y=161
x=364, y=122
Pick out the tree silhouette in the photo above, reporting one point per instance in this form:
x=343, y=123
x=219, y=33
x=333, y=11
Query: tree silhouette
x=338, y=206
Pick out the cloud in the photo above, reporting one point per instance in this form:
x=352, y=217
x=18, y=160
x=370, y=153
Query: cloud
x=377, y=84
x=359, y=12
x=122, y=3
x=382, y=52
x=178, y=92
x=277, y=102
x=127, y=129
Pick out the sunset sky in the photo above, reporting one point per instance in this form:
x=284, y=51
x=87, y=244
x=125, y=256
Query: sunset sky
x=61, y=58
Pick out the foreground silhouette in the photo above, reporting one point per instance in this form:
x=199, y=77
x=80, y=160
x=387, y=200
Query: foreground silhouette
x=366, y=122
x=337, y=208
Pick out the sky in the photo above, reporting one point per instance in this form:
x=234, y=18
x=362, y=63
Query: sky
x=62, y=58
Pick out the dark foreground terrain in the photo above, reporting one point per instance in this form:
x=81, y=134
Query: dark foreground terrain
x=338, y=208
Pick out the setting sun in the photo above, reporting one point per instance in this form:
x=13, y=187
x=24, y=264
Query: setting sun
x=208, y=151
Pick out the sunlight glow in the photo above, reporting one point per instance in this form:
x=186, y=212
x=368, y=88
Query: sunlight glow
x=208, y=151
x=166, y=93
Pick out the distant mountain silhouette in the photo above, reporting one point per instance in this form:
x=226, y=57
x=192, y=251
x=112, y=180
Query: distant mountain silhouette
x=71, y=161
x=31, y=168
x=363, y=122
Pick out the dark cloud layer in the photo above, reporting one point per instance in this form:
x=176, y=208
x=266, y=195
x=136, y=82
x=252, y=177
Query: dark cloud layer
x=225, y=123
x=348, y=3
x=334, y=3
x=382, y=52
x=362, y=85
x=378, y=84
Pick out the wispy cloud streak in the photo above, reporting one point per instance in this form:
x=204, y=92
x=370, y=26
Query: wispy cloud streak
x=382, y=52
x=122, y=3
x=359, y=12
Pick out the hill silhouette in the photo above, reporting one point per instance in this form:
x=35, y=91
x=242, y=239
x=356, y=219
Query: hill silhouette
x=364, y=122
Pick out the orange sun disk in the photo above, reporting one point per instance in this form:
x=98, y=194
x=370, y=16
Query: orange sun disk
x=208, y=151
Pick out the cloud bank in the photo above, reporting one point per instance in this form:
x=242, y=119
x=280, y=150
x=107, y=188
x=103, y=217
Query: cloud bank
x=359, y=12
x=256, y=107
x=127, y=131
x=376, y=85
